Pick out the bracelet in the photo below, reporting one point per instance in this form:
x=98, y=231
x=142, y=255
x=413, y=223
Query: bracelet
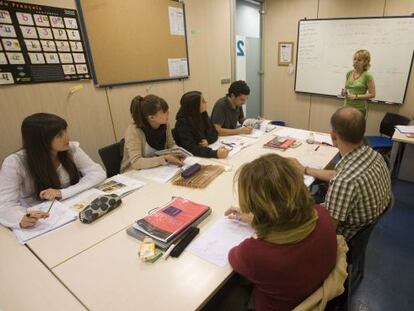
x=306, y=168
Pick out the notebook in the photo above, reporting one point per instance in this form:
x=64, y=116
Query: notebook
x=59, y=215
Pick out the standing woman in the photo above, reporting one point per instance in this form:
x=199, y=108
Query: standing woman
x=359, y=84
x=149, y=132
x=48, y=167
x=194, y=130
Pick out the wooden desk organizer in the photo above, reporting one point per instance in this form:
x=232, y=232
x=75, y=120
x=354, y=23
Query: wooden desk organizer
x=201, y=179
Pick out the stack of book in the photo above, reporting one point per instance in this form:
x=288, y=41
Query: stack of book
x=280, y=143
x=170, y=223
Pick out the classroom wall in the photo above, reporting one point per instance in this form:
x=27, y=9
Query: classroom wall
x=98, y=117
x=313, y=111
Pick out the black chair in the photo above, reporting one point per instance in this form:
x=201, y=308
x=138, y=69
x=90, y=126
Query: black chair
x=387, y=128
x=111, y=157
x=356, y=264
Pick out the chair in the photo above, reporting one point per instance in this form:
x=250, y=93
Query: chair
x=387, y=128
x=356, y=263
x=111, y=157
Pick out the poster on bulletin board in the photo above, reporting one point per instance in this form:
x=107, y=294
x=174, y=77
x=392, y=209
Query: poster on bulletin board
x=40, y=44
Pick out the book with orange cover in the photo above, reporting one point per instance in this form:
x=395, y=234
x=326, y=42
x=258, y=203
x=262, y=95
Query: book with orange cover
x=172, y=219
x=279, y=143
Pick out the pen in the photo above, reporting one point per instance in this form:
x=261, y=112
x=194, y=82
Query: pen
x=168, y=251
x=51, y=205
x=316, y=149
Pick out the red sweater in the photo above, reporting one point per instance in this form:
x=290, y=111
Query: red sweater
x=285, y=275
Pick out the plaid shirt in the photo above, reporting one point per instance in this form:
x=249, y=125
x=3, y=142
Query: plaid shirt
x=360, y=190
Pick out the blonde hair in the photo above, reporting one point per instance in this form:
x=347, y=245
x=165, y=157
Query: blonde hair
x=364, y=54
x=272, y=189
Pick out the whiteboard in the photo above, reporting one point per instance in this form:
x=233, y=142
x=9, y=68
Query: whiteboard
x=326, y=47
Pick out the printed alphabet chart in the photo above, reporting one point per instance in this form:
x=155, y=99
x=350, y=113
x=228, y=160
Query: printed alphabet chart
x=40, y=44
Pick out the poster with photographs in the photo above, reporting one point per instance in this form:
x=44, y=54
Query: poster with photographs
x=40, y=44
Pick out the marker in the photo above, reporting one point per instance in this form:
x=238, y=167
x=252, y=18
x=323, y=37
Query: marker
x=168, y=251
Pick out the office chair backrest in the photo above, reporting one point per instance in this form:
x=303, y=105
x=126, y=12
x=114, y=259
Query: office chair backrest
x=111, y=157
x=389, y=122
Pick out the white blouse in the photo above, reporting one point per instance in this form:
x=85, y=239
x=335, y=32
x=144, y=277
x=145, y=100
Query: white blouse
x=17, y=189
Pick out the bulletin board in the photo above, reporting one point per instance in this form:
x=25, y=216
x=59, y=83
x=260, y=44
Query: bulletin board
x=132, y=41
x=40, y=44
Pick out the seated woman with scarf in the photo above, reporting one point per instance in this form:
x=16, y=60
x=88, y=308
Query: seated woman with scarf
x=149, y=132
x=295, y=248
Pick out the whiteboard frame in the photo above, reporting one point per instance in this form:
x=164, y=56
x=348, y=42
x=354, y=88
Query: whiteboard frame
x=92, y=66
x=349, y=18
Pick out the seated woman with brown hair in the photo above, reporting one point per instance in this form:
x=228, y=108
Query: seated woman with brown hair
x=296, y=247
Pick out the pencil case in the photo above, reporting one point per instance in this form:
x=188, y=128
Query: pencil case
x=99, y=207
x=191, y=170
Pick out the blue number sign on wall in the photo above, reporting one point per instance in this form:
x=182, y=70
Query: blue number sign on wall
x=240, y=48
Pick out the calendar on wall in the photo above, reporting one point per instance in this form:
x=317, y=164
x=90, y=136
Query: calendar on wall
x=40, y=44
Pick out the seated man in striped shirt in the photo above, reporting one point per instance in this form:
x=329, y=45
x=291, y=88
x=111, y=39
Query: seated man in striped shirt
x=360, y=186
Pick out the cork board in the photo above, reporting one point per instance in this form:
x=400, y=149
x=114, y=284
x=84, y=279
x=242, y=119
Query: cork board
x=133, y=41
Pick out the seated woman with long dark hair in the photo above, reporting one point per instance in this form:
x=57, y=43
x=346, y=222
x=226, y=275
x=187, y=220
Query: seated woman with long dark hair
x=48, y=167
x=193, y=129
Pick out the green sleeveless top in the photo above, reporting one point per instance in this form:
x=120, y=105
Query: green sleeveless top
x=358, y=86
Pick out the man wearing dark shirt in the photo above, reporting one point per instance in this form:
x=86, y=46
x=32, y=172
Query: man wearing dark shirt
x=227, y=111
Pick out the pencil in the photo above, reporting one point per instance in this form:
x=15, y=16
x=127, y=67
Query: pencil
x=50, y=207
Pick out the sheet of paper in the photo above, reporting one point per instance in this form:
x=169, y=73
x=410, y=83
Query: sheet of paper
x=292, y=133
x=160, y=174
x=120, y=185
x=405, y=129
x=323, y=138
x=59, y=215
x=308, y=180
x=234, y=143
x=215, y=244
x=254, y=134
x=177, y=67
x=176, y=17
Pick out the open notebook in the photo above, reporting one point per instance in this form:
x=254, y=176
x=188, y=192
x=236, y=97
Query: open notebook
x=59, y=215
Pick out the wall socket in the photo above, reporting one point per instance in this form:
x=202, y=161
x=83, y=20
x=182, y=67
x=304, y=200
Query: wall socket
x=225, y=80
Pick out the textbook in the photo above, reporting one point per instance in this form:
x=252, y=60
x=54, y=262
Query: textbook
x=280, y=143
x=176, y=151
x=172, y=219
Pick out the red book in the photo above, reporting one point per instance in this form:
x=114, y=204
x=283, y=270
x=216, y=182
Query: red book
x=172, y=219
x=278, y=144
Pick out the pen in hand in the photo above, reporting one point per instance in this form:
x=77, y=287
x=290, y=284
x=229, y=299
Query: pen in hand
x=50, y=207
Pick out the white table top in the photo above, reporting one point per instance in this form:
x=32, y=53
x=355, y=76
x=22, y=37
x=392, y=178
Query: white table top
x=176, y=284
x=398, y=136
x=99, y=262
x=26, y=284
